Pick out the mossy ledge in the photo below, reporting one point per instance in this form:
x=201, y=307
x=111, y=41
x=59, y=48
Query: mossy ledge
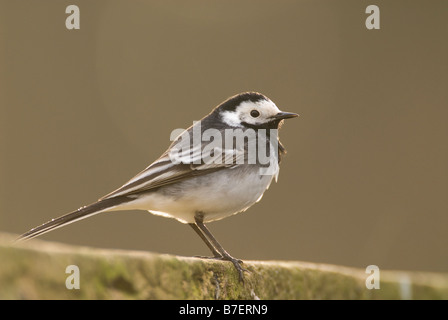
x=36, y=270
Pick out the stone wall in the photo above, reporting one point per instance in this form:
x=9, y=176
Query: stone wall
x=37, y=270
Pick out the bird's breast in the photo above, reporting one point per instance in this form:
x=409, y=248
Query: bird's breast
x=216, y=195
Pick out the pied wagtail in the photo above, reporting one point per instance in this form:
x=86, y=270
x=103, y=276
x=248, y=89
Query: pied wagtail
x=195, y=191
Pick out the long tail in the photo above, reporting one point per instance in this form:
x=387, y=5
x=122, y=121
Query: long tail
x=81, y=213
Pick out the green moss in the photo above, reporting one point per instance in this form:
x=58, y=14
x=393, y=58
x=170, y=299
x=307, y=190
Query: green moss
x=37, y=271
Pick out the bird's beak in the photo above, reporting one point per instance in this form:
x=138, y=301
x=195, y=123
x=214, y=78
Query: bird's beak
x=285, y=115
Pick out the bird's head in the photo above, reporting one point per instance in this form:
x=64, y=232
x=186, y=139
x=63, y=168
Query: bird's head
x=252, y=110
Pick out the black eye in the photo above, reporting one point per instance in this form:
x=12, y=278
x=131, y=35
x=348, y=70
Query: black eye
x=254, y=113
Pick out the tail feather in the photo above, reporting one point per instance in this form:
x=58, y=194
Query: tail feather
x=81, y=213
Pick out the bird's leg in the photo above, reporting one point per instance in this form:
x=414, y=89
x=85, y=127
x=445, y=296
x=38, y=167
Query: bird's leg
x=224, y=255
x=216, y=254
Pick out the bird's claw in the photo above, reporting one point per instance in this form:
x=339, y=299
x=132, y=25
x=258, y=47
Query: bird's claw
x=236, y=262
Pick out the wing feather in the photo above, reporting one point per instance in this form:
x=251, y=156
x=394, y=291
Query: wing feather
x=167, y=170
x=183, y=160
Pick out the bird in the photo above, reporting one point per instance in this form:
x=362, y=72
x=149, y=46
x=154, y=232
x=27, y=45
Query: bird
x=197, y=187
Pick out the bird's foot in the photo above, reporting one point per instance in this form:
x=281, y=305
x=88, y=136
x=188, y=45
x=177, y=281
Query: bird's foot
x=236, y=262
x=238, y=266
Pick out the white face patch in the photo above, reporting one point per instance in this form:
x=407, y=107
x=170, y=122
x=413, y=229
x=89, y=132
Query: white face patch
x=242, y=113
x=231, y=118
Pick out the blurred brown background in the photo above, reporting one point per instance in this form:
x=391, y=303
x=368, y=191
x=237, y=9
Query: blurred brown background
x=365, y=180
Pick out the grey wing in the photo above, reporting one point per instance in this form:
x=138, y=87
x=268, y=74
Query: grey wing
x=177, y=164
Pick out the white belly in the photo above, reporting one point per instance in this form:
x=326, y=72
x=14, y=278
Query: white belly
x=216, y=195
